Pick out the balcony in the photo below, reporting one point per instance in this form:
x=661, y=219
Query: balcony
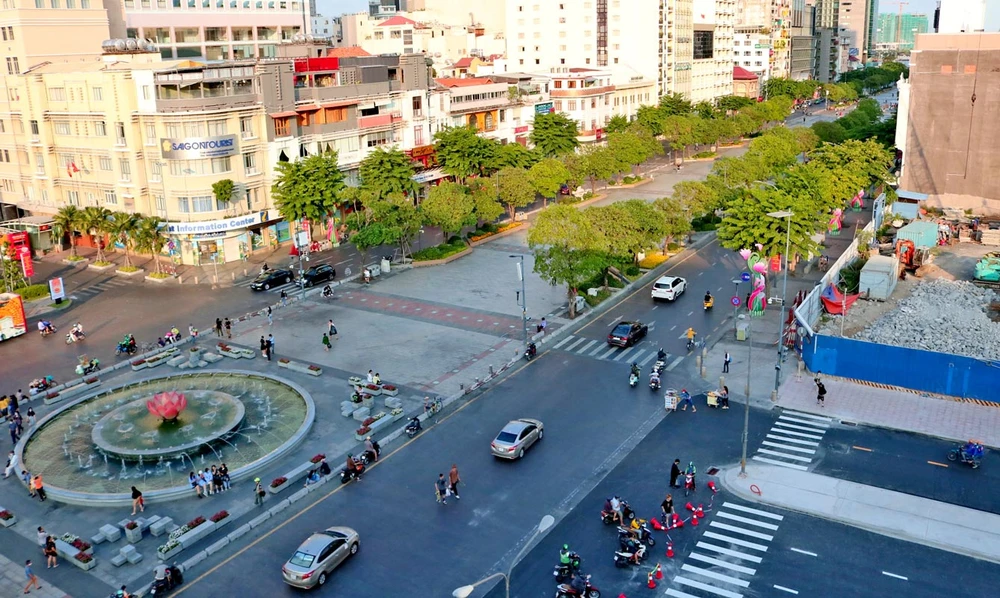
x=378, y=120
x=344, y=92
x=581, y=92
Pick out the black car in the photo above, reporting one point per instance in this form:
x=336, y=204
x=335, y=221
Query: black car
x=272, y=278
x=318, y=274
x=626, y=334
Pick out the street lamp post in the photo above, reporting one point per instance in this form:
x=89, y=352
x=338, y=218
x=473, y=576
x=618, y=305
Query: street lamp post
x=736, y=308
x=746, y=404
x=523, y=299
x=466, y=591
x=827, y=92
x=784, y=290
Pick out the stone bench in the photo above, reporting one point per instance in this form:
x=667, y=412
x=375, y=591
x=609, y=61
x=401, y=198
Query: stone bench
x=393, y=403
x=127, y=554
x=212, y=357
x=162, y=526
x=111, y=533
x=177, y=361
x=361, y=414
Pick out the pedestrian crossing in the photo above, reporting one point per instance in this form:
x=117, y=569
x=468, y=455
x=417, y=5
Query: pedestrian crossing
x=793, y=439
x=104, y=285
x=599, y=349
x=275, y=290
x=724, y=560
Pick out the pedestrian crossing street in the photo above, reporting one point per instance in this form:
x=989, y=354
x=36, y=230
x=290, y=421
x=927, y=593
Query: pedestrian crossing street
x=104, y=285
x=643, y=355
x=792, y=440
x=724, y=560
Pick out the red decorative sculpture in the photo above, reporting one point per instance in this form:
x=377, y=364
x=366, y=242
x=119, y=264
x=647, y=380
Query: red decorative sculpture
x=167, y=405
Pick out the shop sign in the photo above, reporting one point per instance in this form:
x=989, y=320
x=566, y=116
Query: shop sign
x=599, y=134
x=544, y=108
x=27, y=265
x=56, y=289
x=521, y=129
x=196, y=148
x=422, y=151
x=217, y=226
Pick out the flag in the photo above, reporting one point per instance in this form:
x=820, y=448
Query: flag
x=71, y=168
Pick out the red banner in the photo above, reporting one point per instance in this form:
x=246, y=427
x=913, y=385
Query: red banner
x=775, y=263
x=27, y=265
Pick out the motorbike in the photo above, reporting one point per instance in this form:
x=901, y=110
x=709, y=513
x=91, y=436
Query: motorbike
x=654, y=383
x=75, y=335
x=689, y=484
x=327, y=292
x=530, y=352
x=628, y=514
x=971, y=453
x=347, y=475
x=41, y=384
x=564, y=571
x=708, y=303
x=633, y=377
x=82, y=369
x=47, y=328
x=413, y=427
x=640, y=527
x=631, y=556
x=565, y=590
x=123, y=347
x=162, y=586
x=690, y=344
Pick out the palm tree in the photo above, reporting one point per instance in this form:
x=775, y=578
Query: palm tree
x=96, y=221
x=149, y=240
x=67, y=222
x=124, y=227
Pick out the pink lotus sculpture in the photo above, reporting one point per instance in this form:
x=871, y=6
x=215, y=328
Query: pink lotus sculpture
x=167, y=405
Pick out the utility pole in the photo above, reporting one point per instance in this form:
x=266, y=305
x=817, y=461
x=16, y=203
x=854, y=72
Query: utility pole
x=523, y=299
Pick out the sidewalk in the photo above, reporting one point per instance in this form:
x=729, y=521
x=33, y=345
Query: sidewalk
x=921, y=520
x=12, y=580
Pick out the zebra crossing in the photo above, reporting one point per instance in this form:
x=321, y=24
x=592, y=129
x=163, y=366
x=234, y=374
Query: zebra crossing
x=793, y=439
x=600, y=350
x=724, y=560
x=276, y=290
x=104, y=285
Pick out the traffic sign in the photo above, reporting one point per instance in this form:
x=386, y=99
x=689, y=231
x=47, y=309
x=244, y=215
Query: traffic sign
x=745, y=277
x=735, y=301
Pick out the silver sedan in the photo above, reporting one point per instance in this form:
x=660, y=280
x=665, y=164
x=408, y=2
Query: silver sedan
x=319, y=555
x=516, y=437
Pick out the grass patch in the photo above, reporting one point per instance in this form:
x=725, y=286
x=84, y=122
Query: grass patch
x=440, y=252
x=75, y=258
x=593, y=301
x=568, y=199
x=703, y=155
x=159, y=275
x=652, y=260
x=629, y=180
x=488, y=230
x=129, y=269
x=102, y=263
x=65, y=303
x=32, y=292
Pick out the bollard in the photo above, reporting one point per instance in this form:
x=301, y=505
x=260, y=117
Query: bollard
x=704, y=371
x=196, y=280
x=234, y=275
x=722, y=382
x=215, y=280
x=180, y=280
x=800, y=370
x=245, y=274
x=491, y=371
x=697, y=361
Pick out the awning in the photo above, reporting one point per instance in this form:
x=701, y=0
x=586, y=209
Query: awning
x=431, y=174
x=307, y=108
x=285, y=114
x=341, y=104
x=911, y=195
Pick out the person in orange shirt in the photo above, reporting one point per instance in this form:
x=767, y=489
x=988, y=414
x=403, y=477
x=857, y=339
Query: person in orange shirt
x=36, y=483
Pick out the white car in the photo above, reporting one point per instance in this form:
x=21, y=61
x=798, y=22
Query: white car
x=669, y=288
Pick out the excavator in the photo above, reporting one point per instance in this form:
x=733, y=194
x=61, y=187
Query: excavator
x=910, y=256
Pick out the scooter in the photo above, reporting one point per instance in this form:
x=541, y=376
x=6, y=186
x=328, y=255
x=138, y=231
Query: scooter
x=564, y=571
x=413, y=427
x=633, y=379
x=82, y=369
x=346, y=475
x=627, y=514
x=640, y=527
x=530, y=352
x=47, y=328
x=565, y=590
x=624, y=558
x=708, y=303
x=123, y=347
x=75, y=335
x=689, y=484
x=654, y=383
x=162, y=586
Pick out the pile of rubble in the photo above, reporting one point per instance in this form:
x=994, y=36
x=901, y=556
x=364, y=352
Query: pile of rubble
x=941, y=315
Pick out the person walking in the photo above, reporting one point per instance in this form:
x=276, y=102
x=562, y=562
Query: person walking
x=441, y=489
x=31, y=417
x=270, y=318
x=326, y=341
x=12, y=427
x=667, y=506
x=270, y=346
x=258, y=492
x=137, y=501
x=43, y=536
x=454, y=480
x=728, y=359
x=686, y=400
x=284, y=298
x=218, y=327
x=12, y=464
x=26, y=478
x=30, y=576
x=39, y=487
x=675, y=472
x=820, y=393
x=50, y=553
x=331, y=329
x=229, y=328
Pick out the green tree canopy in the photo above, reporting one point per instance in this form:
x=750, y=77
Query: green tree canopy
x=387, y=171
x=450, y=207
x=629, y=227
x=514, y=188
x=599, y=164
x=67, y=221
x=733, y=103
x=633, y=147
x=462, y=153
x=97, y=222
x=223, y=190
x=308, y=189
x=568, y=250
x=516, y=155
x=548, y=176
x=674, y=104
x=486, y=204
x=829, y=132
x=676, y=217
x=747, y=223
x=150, y=240
x=617, y=124
x=554, y=134
x=123, y=227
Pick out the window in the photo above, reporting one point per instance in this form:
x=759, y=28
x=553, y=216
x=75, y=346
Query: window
x=126, y=169
x=418, y=106
x=110, y=197
x=55, y=3
x=12, y=66
x=160, y=202
x=246, y=128
x=73, y=198
x=146, y=94
x=3, y=127
x=120, y=133
x=61, y=127
x=105, y=163
x=282, y=127
x=182, y=205
x=202, y=203
x=571, y=105
x=39, y=3
x=57, y=94
x=379, y=35
x=194, y=129
x=503, y=116
x=221, y=165
x=418, y=135
x=250, y=164
x=703, y=45
x=218, y=127
x=150, y=134
x=377, y=139
x=156, y=172
x=100, y=129
x=34, y=129
x=97, y=93
x=174, y=131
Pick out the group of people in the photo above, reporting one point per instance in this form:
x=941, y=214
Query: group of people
x=220, y=325
x=445, y=487
x=210, y=481
x=675, y=472
x=48, y=546
x=267, y=346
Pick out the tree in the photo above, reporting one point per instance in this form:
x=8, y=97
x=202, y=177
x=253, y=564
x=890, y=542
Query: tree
x=747, y=223
x=568, y=250
x=674, y=104
x=485, y=199
x=678, y=130
x=514, y=188
x=366, y=231
x=123, y=227
x=695, y=197
x=390, y=220
x=629, y=226
x=599, y=164
x=462, y=153
x=651, y=118
x=633, y=147
x=149, y=240
x=449, y=207
x=554, y=134
x=223, y=190
x=96, y=221
x=515, y=155
x=617, y=124
x=829, y=132
x=308, y=189
x=10, y=267
x=853, y=165
x=547, y=177
x=67, y=222
x=676, y=218
x=733, y=103
x=387, y=171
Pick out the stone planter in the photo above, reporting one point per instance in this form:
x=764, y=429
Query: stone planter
x=166, y=556
x=100, y=268
x=188, y=539
x=367, y=401
x=85, y=566
x=220, y=523
x=79, y=262
x=133, y=535
x=159, y=360
x=156, y=279
x=284, y=364
x=390, y=392
x=377, y=390
x=139, y=272
x=356, y=381
x=8, y=522
x=277, y=489
x=360, y=437
x=141, y=366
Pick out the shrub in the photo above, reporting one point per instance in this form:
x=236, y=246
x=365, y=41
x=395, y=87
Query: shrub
x=5, y=515
x=32, y=292
x=318, y=458
x=388, y=387
x=195, y=522
x=439, y=252
x=219, y=516
x=83, y=557
x=453, y=239
x=673, y=246
x=632, y=270
x=703, y=155
x=314, y=368
x=601, y=296
x=612, y=183
x=102, y=263
x=631, y=179
x=368, y=421
x=80, y=545
x=278, y=481
x=363, y=431
x=131, y=525
x=159, y=275
x=283, y=360
x=165, y=548
x=652, y=260
x=128, y=269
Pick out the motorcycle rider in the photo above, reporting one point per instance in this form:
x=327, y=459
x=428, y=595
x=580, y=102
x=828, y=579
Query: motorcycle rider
x=77, y=331
x=708, y=297
x=661, y=355
x=372, y=448
x=566, y=556
x=532, y=350
x=353, y=467
x=327, y=292
x=616, y=509
x=46, y=327
x=162, y=577
x=654, y=379
x=691, y=334
x=579, y=584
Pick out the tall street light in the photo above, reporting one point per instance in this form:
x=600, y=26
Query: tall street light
x=522, y=300
x=466, y=591
x=784, y=290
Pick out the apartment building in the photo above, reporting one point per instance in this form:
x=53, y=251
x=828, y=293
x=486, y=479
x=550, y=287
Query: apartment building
x=33, y=31
x=712, y=53
x=827, y=32
x=803, y=41
x=216, y=29
x=852, y=23
x=752, y=51
x=482, y=103
x=676, y=49
x=766, y=25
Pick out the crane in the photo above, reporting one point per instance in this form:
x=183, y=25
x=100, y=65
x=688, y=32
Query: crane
x=899, y=21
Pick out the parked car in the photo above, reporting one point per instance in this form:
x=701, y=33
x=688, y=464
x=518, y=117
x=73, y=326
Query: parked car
x=319, y=555
x=564, y=189
x=669, y=288
x=516, y=437
x=626, y=334
x=272, y=278
x=318, y=274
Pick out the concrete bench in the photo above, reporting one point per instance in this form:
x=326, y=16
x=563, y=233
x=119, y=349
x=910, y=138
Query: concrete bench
x=361, y=414
x=127, y=554
x=111, y=533
x=161, y=526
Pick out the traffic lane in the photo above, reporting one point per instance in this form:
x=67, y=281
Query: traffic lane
x=439, y=547
x=910, y=463
x=709, y=438
x=816, y=557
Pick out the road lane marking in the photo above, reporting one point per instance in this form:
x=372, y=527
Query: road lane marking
x=562, y=342
x=672, y=327
x=799, y=434
x=623, y=353
x=795, y=427
x=803, y=421
x=721, y=563
x=735, y=541
x=781, y=463
x=690, y=313
x=784, y=589
x=632, y=358
x=784, y=455
x=807, y=415
x=716, y=576
x=793, y=440
x=584, y=348
x=789, y=448
x=679, y=594
x=945, y=465
x=606, y=355
x=896, y=576
x=706, y=587
x=739, y=530
x=578, y=341
x=729, y=552
x=675, y=363
x=861, y=448
x=736, y=507
x=806, y=552
x=615, y=321
x=747, y=520
x=647, y=359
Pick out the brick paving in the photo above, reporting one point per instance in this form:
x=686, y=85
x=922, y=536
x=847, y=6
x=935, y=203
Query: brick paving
x=896, y=409
x=12, y=580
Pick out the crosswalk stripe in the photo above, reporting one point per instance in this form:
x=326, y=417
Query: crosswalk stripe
x=706, y=587
x=563, y=342
x=799, y=434
x=716, y=576
x=821, y=418
x=674, y=363
x=679, y=594
x=784, y=455
x=721, y=563
x=647, y=359
x=578, y=341
x=794, y=440
x=781, y=463
x=795, y=427
x=739, y=530
x=735, y=541
x=747, y=520
x=803, y=421
x=609, y=352
x=584, y=348
x=738, y=507
x=633, y=357
x=623, y=353
x=786, y=447
x=728, y=552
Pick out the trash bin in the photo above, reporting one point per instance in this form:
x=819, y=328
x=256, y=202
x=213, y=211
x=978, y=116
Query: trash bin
x=580, y=303
x=375, y=269
x=742, y=331
x=385, y=265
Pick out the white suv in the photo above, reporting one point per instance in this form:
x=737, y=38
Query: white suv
x=669, y=288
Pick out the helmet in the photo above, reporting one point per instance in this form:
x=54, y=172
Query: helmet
x=565, y=546
x=350, y=454
x=256, y=480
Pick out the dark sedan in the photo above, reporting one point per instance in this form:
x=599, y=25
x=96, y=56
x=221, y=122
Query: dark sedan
x=626, y=334
x=318, y=274
x=272, y=278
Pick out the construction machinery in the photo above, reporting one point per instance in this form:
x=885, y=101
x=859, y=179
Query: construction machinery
x=988, y=271
x=911, y=256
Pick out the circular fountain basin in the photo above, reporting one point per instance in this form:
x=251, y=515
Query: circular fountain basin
x=131, y=431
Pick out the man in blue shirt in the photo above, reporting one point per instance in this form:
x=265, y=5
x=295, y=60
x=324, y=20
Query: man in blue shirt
x=30, y=575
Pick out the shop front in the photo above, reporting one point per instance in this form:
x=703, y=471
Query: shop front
x=221, y=241
x=39, y=229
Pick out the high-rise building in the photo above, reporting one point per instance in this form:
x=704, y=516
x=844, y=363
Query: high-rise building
x=766, y=24
x=804, y=42
x=871, y=18
x=712, y=53
x=826, y=26
x=897, y=33
x=44, y=31
x=852, y=27
x=676, y=49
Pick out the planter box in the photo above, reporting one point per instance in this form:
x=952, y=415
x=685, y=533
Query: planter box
x=284, y=364
x=152, y=363
x=380, y=423
x=166, y=556
x=303, y=369
x=157, y=280
x=233, y=353
x=85, y=566
x=292, y=477
x=100, y=268
x=133, y=535
x=356, y=381
x=390, y=393
x=444, y=261
x=222, y=522
x=360, y=437
x=79, y=262
x=188, y=539
x=141, y=366
x=8, y=522
x=367, y=401
x=277, y=489
x=139, y=272
x=373, y=391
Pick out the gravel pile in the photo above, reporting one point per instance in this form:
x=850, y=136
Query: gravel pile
x=941, y=315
